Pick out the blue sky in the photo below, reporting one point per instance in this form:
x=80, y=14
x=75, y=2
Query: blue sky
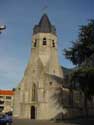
x=20, y=16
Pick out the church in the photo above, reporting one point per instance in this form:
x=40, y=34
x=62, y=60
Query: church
x=43, y=77
x=34, y=95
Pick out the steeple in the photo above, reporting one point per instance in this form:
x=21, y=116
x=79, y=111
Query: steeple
x=41, y=76
x=44, y=26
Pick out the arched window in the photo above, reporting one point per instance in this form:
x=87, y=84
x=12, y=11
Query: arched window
x=34, y=93
x=53, y=43
x=44, y=41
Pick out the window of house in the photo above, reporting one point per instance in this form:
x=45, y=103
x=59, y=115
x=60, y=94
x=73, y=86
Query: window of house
x=44, y=41
x=1, y=102
x=53, y=43
x=1, y=96
x=8, y=97
x=1, y=108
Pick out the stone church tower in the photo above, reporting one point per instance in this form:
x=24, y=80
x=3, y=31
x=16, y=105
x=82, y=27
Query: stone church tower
x=34, y=94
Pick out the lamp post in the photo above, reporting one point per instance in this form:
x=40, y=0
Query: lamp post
x=2, y=28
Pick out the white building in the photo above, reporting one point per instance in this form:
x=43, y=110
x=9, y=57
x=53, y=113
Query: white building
x=6, y=101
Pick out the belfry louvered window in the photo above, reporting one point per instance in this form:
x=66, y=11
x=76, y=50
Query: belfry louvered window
x=53, y=43
x=44, y=41
x=35, y=43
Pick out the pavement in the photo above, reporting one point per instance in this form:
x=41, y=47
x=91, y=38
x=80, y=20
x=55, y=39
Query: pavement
x=37, y=122
x=64, y=122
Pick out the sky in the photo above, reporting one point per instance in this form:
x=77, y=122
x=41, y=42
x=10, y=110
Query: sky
x=20, y=16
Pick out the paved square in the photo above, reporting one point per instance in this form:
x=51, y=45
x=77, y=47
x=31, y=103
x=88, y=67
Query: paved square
x=82, y=121
x=37, y=122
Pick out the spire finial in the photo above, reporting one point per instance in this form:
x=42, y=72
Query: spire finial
x=45, y=6
x=44, y=9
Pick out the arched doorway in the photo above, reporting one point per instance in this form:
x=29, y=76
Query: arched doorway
x=32, y=112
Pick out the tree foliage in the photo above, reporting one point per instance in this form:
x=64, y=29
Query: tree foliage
x=84, y=76
x=81, y=54
x=83, y=48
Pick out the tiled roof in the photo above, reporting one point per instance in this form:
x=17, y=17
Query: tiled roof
x=6, y=92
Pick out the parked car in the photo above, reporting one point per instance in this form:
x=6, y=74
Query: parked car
x=5, y=119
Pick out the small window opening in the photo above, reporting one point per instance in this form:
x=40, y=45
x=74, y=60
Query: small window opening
x=53, y=43
x=44, y=41
x=50, y=83
x=8, y=97
x=35, y=43
x=1, y=102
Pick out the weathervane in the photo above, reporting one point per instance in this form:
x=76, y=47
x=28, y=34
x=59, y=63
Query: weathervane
x=44, y=10
x=45, y=7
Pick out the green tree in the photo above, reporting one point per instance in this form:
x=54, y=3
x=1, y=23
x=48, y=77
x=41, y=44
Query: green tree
x=81, y=54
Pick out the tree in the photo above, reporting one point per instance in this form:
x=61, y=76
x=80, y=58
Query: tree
x=82, y=55
x=82, y=48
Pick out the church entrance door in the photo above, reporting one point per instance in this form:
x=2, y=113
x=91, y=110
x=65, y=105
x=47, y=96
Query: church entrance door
x=32, y=112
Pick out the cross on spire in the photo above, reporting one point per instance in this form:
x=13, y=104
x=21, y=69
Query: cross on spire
x=45, y=6
x=44, y=9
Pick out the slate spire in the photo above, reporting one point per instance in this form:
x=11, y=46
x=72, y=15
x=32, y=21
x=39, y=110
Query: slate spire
x=44, y=26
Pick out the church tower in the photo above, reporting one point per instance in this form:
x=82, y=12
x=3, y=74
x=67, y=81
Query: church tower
x=34, y=94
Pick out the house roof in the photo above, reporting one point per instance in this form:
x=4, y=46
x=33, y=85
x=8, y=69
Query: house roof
x=6, y=92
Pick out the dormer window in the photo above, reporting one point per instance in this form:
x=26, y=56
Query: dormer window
x=53, y=43
x=44, y=41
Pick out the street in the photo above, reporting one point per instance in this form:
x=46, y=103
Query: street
x=82, y=121
x=37, y=122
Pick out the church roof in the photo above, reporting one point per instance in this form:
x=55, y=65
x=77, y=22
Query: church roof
x=60, y=80
x=44, y=26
